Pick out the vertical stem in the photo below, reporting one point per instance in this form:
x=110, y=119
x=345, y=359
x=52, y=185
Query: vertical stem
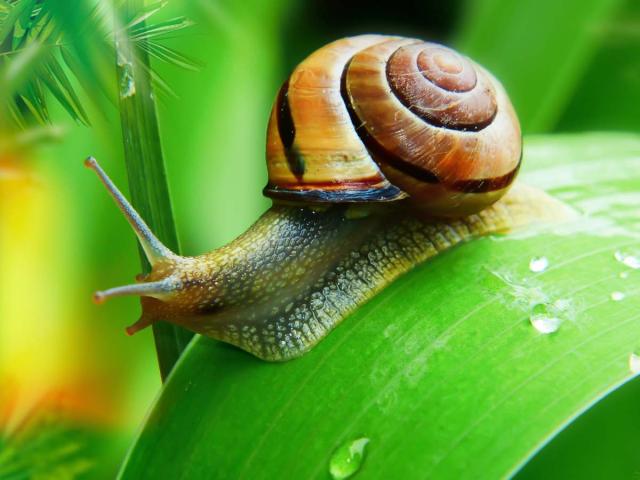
x=145, y=168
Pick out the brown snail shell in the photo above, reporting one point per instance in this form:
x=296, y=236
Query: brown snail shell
x=377, y=118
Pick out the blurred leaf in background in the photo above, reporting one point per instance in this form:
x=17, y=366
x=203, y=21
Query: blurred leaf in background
x=607, y=95
x=61, y=436
x=539, y=49
x=36, y=55
x=215, y=130
x=60, y=346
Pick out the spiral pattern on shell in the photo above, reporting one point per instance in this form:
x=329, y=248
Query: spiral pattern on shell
x=376, y=118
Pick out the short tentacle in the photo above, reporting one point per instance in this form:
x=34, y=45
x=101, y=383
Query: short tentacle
x=141, y=324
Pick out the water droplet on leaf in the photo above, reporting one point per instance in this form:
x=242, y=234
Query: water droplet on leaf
x=617, y=296
x=623, y=274
x=628, y=259
x=391, y=330
x=634, y=363
x=543, y=319
x=127, y=86
x=347, y=459
x=538, y=264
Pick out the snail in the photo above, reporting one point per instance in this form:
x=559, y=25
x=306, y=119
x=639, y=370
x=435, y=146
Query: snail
x=381, y=152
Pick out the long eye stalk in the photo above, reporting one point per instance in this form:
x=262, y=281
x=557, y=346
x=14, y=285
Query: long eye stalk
x=153, y=248
x=155, y=251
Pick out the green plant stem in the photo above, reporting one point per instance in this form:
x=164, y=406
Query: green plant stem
x=146, y=171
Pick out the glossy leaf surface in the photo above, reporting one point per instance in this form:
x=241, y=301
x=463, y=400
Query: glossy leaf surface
x=444, y=371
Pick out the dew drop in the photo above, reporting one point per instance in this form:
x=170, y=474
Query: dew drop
x=630, y=260
x=623, y=274
x=543, y=320
x=127, y=86
x=538, y=264
x=617, y=296
x=391, y=330
x=127, y=83
x=347, y=459
x=634, y=363
x=545, y=324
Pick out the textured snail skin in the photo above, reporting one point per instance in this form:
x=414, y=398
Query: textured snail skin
x=293, y=276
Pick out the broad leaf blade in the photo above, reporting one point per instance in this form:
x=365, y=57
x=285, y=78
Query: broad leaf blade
x=442, y=371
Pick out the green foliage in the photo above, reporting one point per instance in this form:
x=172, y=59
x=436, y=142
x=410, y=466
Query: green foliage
x=214, y=137
x=43, y=41
x=607, y=95
x=32, y=48
x=443, y=371
x=539, y=49
x=45, y=446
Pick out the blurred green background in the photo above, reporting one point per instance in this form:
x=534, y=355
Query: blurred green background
x=568, y=66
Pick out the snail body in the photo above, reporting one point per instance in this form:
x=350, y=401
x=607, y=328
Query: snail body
x=381, y=152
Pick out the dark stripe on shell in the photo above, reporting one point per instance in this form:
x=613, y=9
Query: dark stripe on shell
x=381, y=155
x=376, y=149
x=287, y=132
x=320, y=195
x=405, y=99
x=487, y=184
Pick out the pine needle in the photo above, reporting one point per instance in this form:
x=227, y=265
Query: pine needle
x=49, y=46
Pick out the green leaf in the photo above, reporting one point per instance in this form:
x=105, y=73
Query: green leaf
x=33, y=96
x=160, y=85
x=159, y=30
x=146, y=12
x=60, y=86
x=145, y=168
x=443, y=371
x=16, y=71
x=83, y=33
x=16, y=12
x=171, y=56
x=602, y=443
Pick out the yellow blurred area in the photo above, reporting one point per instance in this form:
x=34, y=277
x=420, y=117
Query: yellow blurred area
x=62, y=238
x=61, y=356
x=35, y=292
